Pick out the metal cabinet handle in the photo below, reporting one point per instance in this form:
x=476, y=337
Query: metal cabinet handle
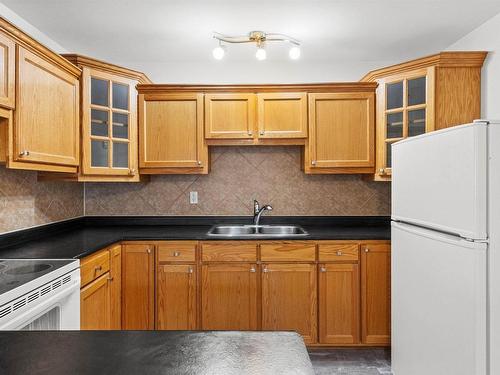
x=262, y=132
x=190, y=270
x=148, y=250
x=265, y=270
x=199, y=162
x=132, y=172
x=176, y=254
x=313, y=162
x=98, y=268
x=367, y=250
x=24, y=153
x=110, y=279
x=250, y=133
x=339, y=253
x=252, y=269
x=322, y=269
x=381, y=171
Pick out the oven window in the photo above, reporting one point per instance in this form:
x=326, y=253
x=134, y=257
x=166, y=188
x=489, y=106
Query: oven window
x=46, y=322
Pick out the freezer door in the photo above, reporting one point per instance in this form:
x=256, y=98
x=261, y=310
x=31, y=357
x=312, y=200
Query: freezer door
x=438, y=303
x=439, y=180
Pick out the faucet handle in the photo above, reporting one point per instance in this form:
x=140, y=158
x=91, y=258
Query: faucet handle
x=256, y=206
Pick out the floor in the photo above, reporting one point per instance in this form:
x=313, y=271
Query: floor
x=351, y=361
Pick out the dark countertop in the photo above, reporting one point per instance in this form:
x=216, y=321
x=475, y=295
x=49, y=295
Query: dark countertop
x=79, y=237
x=153, y=352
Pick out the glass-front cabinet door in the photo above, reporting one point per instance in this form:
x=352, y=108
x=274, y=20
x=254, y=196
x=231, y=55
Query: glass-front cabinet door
x=109, y=125
x=405, y=109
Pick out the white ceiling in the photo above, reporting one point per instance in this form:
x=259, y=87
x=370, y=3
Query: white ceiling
x=331, y=31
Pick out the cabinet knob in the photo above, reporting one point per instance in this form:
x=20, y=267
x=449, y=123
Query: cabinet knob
x=250, y=133
x=98, y=268
x=148, y=250
x=322, y=269
x=190, y=270
x=132, y=172
x=252, y=269
x=367, y=250
x=110, y=279
x=24, y=153
x=381, y=171
x=176, y=253
x=262, y=132
x=199, y=162
x=313, y=162
x=339, y=253
x=265, y=270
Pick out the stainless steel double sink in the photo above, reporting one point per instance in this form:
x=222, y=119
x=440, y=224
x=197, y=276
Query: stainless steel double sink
x=256, y=231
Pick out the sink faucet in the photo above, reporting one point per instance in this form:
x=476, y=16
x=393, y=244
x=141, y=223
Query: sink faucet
x=258, y=211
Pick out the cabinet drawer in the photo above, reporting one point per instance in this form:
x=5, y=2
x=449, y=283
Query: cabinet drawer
x=93, y=266
x=338, y=252
x=229, y=252
x=288, y=252
x=177, y=252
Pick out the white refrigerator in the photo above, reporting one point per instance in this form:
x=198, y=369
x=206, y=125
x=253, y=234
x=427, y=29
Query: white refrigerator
x=445, y=252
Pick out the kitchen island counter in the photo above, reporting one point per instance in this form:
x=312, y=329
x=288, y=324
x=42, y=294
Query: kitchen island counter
x=153, y=353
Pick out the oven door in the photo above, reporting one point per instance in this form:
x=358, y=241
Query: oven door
x=57, y=310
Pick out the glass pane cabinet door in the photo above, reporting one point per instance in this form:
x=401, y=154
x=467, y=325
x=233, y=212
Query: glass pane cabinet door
x=100, y=153
x=416, y=122
x=416, y=91
x=99, y=123
x=120, y=96
x=99, y=92
x=395, y=95
x=395, y=125
x=120, y=155
x=120, y=125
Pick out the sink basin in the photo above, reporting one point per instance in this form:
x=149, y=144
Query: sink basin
x=257, y=231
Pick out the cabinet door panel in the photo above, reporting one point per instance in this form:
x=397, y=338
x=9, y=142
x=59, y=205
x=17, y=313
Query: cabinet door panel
x=115, y=260
x=171, y=128
x=339, y=304
x=341, y=130
x=47, y=116
x=229, y=116
x=282, y=115
x=176, y=297
x=95, y=305
x=7, y=71
x=138, y=287
x=376, y=293
x=229, y=297
x=289, y=299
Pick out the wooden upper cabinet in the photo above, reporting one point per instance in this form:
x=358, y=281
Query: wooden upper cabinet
x=376, y=293
x=341, y=133
x=422, y=95
x=138, y=286
x=95, y=305
x=339, y=304
x=229, y=116
x=176, y=297
x=7, y=71
x=289, y=299
x=46, y=122
x=229, y=297
x=171, y=134
x=282, y=115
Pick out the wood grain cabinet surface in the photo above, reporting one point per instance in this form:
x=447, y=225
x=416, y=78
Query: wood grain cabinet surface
x=95, y=305
x=171, y=134
x=46, y=121
x=7, y=71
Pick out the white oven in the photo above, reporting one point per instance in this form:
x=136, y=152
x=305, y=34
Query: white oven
x=48, y=301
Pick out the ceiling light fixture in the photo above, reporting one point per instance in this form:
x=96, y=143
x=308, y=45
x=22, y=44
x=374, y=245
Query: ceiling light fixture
x=259, y=38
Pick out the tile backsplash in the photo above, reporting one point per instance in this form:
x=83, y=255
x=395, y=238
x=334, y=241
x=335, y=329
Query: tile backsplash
x=238, y=175
x=25, y=202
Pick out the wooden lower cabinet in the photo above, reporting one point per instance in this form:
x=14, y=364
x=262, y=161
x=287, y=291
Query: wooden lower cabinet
x=289, y=298
x=138, y=286
x=376, y=294
x=115, y=262
x=95, y=304
x=339, y=304
x=176, y=297
x=229, y=297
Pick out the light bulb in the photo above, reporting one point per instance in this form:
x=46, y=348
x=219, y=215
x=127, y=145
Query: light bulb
x=261, y=54
x=218, y=53
x=294, y=53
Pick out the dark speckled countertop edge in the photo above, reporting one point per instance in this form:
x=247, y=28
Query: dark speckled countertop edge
x=80, y=237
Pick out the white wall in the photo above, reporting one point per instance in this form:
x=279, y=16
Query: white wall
x=486, y=37
x=29, y=29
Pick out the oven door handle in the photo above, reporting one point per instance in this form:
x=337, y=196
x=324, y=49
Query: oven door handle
x=31, y=313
